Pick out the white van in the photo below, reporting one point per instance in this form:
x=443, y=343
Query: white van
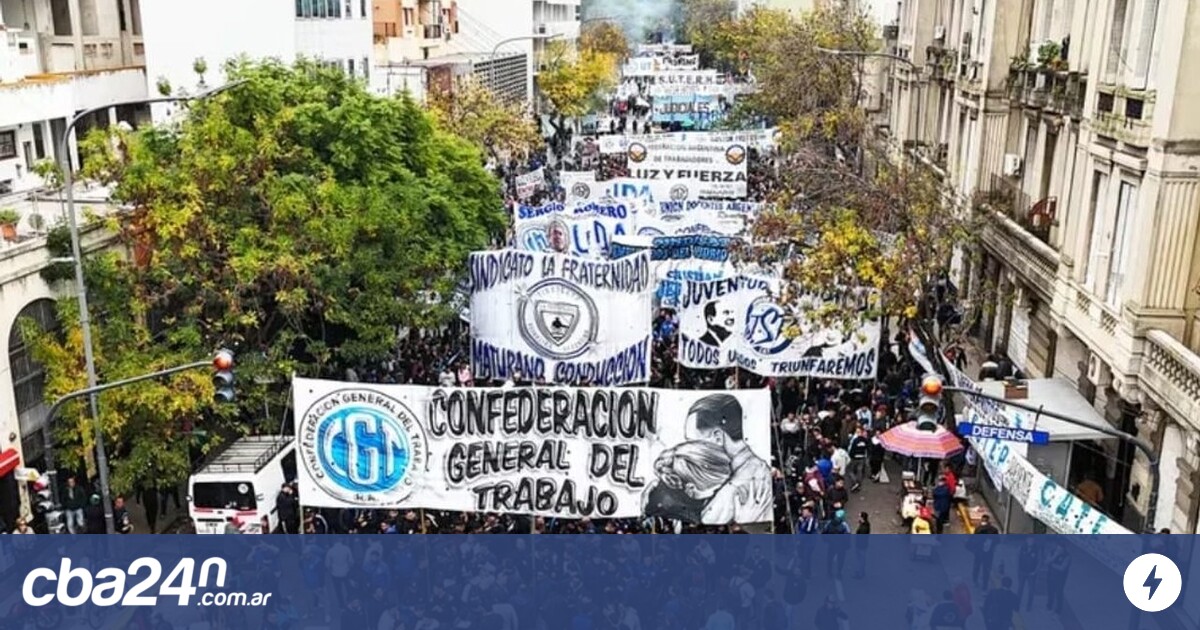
x=241, y=481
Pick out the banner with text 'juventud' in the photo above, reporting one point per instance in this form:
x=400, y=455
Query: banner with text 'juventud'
x=736, y=322
x=560, y=319
x=695, y=456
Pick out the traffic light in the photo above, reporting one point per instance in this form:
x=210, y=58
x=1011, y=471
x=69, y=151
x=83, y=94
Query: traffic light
x=223, y=377
x=929, y=408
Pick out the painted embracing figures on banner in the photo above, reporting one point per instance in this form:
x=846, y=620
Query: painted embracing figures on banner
x=559, y=319
x=695, y=456
x=736, y=322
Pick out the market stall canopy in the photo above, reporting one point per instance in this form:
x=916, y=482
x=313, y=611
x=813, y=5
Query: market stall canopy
x=907, y=439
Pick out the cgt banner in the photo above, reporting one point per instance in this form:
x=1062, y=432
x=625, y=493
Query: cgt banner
x=736, y=322
x=713, y=169
x=553, y=318
x=699, y=457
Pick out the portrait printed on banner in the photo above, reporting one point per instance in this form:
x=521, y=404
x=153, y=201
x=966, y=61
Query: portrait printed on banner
x=720, y=321
x=713, y=477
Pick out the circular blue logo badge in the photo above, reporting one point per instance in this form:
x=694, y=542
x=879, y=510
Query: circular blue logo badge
x=362, y=447
x=765, y=326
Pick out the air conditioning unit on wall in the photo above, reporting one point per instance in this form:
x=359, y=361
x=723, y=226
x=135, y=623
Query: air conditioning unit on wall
x=1097, y=371
x=1012, y=165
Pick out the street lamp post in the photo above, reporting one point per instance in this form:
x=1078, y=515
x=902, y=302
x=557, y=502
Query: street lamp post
x=496, y=49
x=867, y=54
x=85, y=323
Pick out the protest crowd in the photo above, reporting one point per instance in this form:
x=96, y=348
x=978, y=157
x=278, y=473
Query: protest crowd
x=824, y=432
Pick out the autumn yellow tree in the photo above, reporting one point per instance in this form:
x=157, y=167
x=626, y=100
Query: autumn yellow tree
x=574, y=81
x=605, y=37
x=473, y=112
x=835, y=223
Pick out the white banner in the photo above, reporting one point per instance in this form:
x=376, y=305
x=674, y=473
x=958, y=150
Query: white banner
x=710, y=169
x=696, y=456
x=636, y=191
x=654, y=224
x=673, y=274
x=735, y=322
x=652, y=66
x=726, y=90
x=581, y=228
x=552, y=318
x=995, y=453
x=664, y=49
x=577, y=184
x=761, y=139
x=530, y=183
x=687, y=77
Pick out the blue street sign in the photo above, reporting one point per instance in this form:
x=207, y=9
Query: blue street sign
x=1007, y=434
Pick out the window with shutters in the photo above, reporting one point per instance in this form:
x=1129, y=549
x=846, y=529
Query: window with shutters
x=1115, y=65
x=1095, y=246
x=1145, y=44
x=1122, y=234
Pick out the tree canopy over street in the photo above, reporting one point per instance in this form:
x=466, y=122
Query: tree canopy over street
x=850, y=210
x=297, y=219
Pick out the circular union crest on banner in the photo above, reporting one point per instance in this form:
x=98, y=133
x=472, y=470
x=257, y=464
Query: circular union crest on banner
x=362, y=447
x=735, y=154
x=765, y=326
x=637, y=152
x=557, y=319
x=679, y=192
x=581, y=191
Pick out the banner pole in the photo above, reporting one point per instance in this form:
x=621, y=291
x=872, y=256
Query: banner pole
x=424, y=523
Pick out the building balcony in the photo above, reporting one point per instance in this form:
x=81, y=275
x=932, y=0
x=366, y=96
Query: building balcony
x=50, y=96
x=433, y=31
x=1170, y=375
x=1015, y=232
x=1055, y=91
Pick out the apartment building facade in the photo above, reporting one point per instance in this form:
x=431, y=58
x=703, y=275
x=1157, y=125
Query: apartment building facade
x=429, y=44
x=337, y=32
x=1063, y=126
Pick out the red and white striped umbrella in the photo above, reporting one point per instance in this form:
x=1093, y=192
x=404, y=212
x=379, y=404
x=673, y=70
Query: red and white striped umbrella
x=907, y=439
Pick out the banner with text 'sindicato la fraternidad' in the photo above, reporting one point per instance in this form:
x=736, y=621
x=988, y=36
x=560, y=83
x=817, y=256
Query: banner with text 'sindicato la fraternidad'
x=560, y=319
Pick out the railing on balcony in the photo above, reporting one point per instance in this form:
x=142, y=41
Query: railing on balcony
x=433, y=31
x=1056, y=91
x=1170, y=375
x=1012, y=240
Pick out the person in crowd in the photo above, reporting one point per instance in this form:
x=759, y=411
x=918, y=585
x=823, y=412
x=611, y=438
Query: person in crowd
x=1058, y=566
x=999, y=606
x=858, y=451
x=984, y=550
x=946, y=614
x=943, y=499
x=923, y=523
x=74, y=500
x=862, y=545
x=1029, y=560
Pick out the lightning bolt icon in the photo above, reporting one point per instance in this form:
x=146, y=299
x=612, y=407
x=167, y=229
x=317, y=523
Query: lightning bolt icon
x=1152, y=582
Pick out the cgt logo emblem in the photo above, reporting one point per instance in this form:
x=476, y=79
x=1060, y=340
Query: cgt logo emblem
x=362, y=447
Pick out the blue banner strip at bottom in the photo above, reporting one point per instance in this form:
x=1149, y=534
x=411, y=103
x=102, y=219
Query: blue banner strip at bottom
x=600, y=582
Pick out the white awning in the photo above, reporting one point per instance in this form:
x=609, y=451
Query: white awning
x=1059, y=396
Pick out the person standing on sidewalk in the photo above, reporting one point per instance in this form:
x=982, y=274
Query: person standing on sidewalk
x=943, y=499
x=984, y=550
x=74, y=500
x=858, y=450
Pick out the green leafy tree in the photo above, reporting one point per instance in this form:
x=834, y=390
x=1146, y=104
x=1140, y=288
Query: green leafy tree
x=297, y=219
